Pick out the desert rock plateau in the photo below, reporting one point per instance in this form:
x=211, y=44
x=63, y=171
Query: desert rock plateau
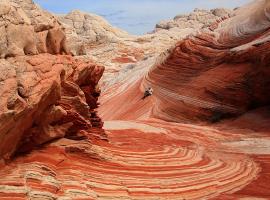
x=74, y=126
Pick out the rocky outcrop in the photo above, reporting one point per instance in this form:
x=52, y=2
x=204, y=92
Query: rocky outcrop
x=197, y=19
x=147, y=152
x=86, y=29
x=219, y=73
x=25, y=29
x=45, y=97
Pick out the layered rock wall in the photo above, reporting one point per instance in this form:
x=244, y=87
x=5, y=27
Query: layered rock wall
x=217, y=74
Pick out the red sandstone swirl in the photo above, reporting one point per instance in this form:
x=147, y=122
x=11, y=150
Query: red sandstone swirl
x=167, y=161
x=218, y=74
x=208, y=77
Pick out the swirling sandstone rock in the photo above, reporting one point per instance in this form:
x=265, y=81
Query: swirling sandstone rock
x=144, y=160
x=216, y=74
x=220, y=73
x=222, y=69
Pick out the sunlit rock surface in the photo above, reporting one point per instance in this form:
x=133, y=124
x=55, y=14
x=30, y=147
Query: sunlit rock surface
x=197, y=19
x=92, y=37
x=25, y=29
x=221, y=72
x=219, y=75
x=86, y=29
x=203, y=134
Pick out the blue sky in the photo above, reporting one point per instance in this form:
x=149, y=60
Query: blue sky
x=135, y=16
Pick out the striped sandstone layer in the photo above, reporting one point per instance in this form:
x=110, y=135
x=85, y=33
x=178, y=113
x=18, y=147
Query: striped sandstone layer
x=143, y=160
x=169, y=145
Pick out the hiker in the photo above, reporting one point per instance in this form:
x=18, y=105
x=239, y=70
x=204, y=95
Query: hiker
x=148, y=92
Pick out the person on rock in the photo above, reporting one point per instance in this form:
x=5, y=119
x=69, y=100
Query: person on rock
x=148, y=92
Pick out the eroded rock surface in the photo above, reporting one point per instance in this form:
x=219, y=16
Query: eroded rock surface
x=197, y=19
x=46, y=97
x=25, y=29
x=203, y=134
x=207, y=77
x=86, y=29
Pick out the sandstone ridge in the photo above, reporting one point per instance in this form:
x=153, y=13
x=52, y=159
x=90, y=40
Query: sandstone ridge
x=203, y=134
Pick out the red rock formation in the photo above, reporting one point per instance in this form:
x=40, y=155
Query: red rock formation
x=142, y=161
x=205, y=78
x=221, y=73
x=208, y=77
x=210, y=83
x=46, y=97
x=43, y=97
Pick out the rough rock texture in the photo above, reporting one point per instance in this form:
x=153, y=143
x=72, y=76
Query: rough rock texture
x=45, y=97
x=92, y=37
x=197, y=19
x=149, y=153
x=85, y=29
x=25, y=29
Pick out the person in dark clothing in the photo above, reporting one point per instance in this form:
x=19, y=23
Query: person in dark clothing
x=148, y=92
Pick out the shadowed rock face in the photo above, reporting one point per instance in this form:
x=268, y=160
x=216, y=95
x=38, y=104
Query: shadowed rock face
x=146, y=151
x=46, y=97
x=216, y=74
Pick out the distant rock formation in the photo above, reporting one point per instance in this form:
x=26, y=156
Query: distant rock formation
x=93, y=37
x=84, y=29
x=197, y=19
x=26, y=29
